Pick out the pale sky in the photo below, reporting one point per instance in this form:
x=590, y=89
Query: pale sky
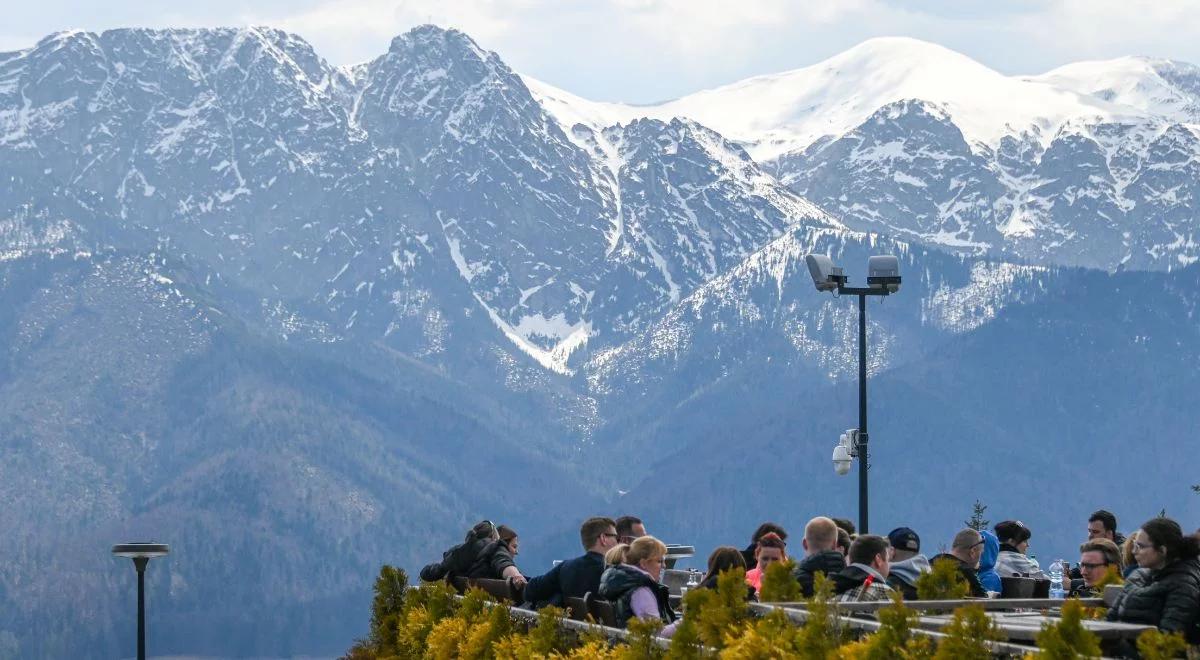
x=643, y=51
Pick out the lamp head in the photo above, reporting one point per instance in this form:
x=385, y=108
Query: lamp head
x=140, y=550
x=883, y=272
x=825, y=275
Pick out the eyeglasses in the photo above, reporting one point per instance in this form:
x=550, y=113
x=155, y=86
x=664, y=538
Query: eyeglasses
x=612, y=534
x=1090, y=566
x=1143, y=546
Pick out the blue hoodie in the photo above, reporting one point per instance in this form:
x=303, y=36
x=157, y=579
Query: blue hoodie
x=988, y=576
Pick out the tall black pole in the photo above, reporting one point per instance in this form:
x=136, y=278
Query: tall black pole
x=862, y=414
x=140, y=564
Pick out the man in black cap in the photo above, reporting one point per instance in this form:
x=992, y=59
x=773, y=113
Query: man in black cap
x=907, y=562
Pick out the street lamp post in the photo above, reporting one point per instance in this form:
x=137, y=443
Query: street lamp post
x=883, y=278
x=141, y=554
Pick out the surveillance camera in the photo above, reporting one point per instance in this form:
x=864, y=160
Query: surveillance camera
x=841, y=459
x=884, y=272
x=826, y=276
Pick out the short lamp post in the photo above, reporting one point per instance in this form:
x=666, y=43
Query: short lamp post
x=883, y=278
x=141, y=554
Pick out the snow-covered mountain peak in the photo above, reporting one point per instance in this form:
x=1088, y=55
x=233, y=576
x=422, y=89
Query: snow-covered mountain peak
x=1160, y=87
x=782, y=112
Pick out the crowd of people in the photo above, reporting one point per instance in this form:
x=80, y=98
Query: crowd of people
x=1159, y=564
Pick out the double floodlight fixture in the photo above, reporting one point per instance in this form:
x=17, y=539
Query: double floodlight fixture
x=883, y=274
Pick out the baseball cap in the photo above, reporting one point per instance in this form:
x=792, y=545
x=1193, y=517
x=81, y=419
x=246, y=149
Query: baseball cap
x=903, y=538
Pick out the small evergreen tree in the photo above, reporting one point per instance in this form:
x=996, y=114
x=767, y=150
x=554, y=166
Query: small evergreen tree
x=942, y=582
x=1158, y=645
x=643, y=644
x=720, y=611
x=821, y=633
x=977, y=522
x=968, y=635
x=895, y=638
x=779, y=584
x=1068, y=639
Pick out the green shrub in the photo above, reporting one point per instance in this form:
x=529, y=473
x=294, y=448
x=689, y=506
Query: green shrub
x=1067, y=638
x=943, y=582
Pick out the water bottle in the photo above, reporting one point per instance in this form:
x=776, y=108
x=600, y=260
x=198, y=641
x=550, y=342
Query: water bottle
x=1056, y=580
x=693, y=581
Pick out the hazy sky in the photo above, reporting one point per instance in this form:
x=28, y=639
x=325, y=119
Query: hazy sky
x=650, y=50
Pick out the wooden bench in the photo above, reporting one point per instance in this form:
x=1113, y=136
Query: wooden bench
x=601, y=610
x=577, y=608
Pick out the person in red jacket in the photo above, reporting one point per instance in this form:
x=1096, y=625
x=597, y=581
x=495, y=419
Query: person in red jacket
x=770, y=549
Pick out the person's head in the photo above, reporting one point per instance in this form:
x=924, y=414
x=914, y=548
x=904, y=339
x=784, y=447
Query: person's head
x=1102, y=525
x=968, y=546
x=598, y=534
x=820, y=534
x=1014, y=533
x=509, y=537
x=616, y=554
x=648, y=554
x=724, y=558
x=905, y=543
x=1127, y=558
x=770, y=549
x=843, y=542
x=1095, y=556
x=768, y=528
x=483, y=530
x=844, y=523
x=1161, y=542
x=872, y=551
x=630, y=528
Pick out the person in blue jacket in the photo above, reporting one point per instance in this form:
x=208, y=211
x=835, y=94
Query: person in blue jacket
x=987, y=562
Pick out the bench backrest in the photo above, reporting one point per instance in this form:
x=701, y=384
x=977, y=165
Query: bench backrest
x=601, y=610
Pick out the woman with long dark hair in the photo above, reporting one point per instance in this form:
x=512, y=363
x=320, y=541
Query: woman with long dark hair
x=1165, y=590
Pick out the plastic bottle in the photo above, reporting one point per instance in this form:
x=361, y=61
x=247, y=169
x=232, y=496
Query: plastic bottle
x=1056, y=580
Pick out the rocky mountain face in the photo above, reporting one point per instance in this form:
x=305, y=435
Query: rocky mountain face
x=299, y=321
x=1092, y=164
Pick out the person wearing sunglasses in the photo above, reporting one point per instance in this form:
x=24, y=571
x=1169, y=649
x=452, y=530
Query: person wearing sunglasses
x=965, y=551
x=1165, y=591
x=575, y=577
x=1095, y=557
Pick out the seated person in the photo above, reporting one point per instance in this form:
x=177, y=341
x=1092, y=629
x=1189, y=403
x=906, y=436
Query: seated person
x=630, y=528
x=865, y=579
x=907, y=563
x=771, y=549
x=722, y=559
x=575, y=577
x=457, y=561
x=635, y=587
x=1165, y=591
x=1014, y=544
x=821, y=554
x=496, y=560
x=965, y=552
x=1095, y=556
x=763, y=530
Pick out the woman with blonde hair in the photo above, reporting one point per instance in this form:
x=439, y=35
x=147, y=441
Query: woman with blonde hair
x=1128, y=563
x=616, y=554
x=635, y=586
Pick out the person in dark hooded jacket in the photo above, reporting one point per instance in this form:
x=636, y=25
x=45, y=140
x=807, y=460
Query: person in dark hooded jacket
x=965, y=551
x=1165, y=591
x=635, y=588
x=821, y=554
x=496, y=561
x=457, y=561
